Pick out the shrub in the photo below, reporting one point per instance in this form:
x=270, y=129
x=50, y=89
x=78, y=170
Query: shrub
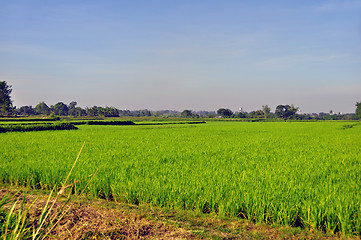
x=36, y=127
x=110, y=123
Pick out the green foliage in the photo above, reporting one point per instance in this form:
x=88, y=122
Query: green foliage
x=6, y=106
x=36, y=127
x=187, y=113
x=241, y=115
x=72, y=105
x=224, y=112
x=266, y=111
x=100, y=111
x=13, y=119
x=60, y=109
x=6, y=221
x=94, y=122
x=15, y=225
x=25, y=111
x=286, y=111
x=288, y=173
x=358, y=109
x=256, y=114
x=76, y=112
x=102, y=122
x=42, y=108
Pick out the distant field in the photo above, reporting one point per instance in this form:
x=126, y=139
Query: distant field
x=293, y=173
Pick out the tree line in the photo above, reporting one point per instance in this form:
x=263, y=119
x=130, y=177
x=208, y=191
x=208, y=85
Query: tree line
x=287, y=112
x=71, y=109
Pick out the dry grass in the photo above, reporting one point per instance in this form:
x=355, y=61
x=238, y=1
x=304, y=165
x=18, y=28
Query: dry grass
x=91, y=218
x=98, y=221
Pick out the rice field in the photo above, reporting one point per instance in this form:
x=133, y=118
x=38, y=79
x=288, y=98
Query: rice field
x=303, y=174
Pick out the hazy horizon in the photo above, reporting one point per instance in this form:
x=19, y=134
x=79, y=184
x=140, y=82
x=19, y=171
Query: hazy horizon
x=176, y=55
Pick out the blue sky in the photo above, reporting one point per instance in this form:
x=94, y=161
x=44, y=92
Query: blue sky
x=186, y=54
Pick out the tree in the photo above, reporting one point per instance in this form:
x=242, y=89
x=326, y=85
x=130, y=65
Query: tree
x=60, y=109
x=145, y=113
x=280, y=110
x=6, y=105
x=93, y=111
x=286, y=111
x=224, y=112
x=187, y=113
x=358, y=109
x=110, y=112
x=77, y=112
x=241, y=115
x=266, y=111
x=72, y=105
x=25, y=111
x=206, y=114
x=124, y=113
x=256, y=114
x=42, y=108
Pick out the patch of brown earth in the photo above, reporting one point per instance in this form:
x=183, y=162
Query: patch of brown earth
x=94, y=221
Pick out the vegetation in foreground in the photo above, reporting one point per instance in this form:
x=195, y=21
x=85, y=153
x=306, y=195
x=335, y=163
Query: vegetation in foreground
x=294, y=174
x=91, y=218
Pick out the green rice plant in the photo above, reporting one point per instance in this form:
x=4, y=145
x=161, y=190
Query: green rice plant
x=302, y=174
x=7, y=219
x=15, y=224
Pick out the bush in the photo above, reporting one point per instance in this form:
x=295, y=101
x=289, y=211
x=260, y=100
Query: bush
x=36, y=127
x=110, y=123
x=101, y=122
x=15, y=119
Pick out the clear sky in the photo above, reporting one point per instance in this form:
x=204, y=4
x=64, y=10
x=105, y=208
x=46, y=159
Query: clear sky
x=183, y=54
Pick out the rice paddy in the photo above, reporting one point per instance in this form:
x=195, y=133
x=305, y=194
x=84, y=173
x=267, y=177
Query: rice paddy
x=304, y=174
